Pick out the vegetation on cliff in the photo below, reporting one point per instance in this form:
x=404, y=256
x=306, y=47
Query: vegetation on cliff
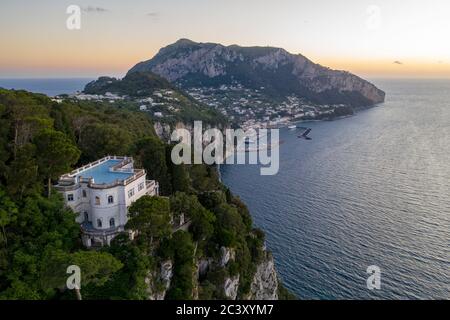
x=41, y=139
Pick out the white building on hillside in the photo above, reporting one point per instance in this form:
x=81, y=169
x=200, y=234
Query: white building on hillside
x=101, y=193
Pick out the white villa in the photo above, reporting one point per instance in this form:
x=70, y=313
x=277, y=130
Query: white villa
x=101, y=192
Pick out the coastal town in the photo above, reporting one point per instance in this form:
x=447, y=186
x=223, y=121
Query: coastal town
x=252, y=108
x=243, y=107
x=161, y=104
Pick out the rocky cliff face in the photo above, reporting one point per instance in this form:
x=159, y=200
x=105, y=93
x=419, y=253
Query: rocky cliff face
x=264, y=285
x=163, y=131
x=265, y=281
x=159, y=282
x=273, y=70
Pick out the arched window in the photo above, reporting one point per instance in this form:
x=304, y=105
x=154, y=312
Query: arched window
x=84, y=194
x=112, y=222
x=97, y=201
x=110, y=199
x=86, y=217
x=99, y=223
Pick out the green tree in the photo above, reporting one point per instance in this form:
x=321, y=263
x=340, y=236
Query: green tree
x=128, y=282
x=182, y=203
x=182, y=281
x=151, y=217
x=152, y=154
x=178, y=173
x=229, y=225
x=180, y=178
x=8, y=215
x=22, y=173
x=42, y=226
x=56, y=154
x=96, y=267
x=101, y=139
x=202, y=220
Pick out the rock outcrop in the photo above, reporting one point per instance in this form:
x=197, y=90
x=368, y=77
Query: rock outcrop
x=265, y=281
x=203, y=266
x=231, y=287
x=227, y=254
x=159, y=282
x=162, y=130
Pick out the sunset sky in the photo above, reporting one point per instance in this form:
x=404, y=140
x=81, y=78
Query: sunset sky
x=378, y=38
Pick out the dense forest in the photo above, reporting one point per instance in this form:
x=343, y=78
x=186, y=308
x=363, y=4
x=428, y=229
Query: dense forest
x=41, y=139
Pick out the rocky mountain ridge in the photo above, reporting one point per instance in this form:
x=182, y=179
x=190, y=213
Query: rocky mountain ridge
x=272, y=70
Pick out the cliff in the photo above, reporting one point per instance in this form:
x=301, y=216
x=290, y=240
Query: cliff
x=264, y=284
x=197, y=241
x=272, y=70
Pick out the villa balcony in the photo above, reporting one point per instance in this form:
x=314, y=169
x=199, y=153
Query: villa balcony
x=88, y=229
x=152, y=187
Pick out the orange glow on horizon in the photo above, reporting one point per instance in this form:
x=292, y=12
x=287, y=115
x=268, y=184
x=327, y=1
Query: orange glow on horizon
x=97, y=58
x=389, y=68
x=107, y=62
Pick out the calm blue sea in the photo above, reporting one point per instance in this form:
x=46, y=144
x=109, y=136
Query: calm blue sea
x=373, y=189
x=50, y=86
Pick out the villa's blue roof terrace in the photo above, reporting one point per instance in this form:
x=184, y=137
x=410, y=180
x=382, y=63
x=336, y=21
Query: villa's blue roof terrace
x=102, y=174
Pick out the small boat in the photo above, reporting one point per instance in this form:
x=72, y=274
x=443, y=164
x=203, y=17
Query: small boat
x=304, y=135
x=292, y=127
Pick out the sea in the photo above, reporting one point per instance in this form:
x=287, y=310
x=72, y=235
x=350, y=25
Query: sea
x=49, y=86
x=368, y=190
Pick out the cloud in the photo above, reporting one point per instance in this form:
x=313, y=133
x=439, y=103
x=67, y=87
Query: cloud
x=152, y=14
x=398, y=62
x=92, y=9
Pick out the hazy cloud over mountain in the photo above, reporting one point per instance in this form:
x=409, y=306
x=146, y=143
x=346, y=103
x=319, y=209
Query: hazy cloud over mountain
x=94, y=9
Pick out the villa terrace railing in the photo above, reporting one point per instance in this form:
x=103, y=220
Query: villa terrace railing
x=137, y=174
x=119, y=167
x=97, y=162
x=70, y=180
x=88, y=229
x=150, y=184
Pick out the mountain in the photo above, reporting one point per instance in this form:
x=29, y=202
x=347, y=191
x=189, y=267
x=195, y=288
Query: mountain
x=274, y=71
x=137, y=84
